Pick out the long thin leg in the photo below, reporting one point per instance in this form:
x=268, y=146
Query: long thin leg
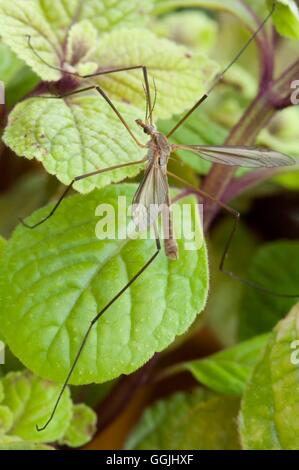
x=107, y=99
x=78, y=178
x=236, y=216
x=94, y=321
x=103, y=72
x=220, y=76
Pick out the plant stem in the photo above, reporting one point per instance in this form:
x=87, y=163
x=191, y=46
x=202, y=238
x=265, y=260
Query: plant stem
x=275, y=96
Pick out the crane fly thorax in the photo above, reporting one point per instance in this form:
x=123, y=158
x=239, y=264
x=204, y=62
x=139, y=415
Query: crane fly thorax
x=159, y=150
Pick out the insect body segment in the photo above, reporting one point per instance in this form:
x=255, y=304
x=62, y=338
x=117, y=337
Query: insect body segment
x=152, y=197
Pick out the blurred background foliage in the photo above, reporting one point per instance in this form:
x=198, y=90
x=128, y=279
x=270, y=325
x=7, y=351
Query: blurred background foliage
x=266, y=249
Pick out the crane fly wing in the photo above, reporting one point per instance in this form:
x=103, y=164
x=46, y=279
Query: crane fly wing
x=250, y=157
x=151, y=194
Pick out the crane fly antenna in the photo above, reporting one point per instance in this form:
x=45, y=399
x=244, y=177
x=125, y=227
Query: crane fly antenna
x=155, y=99
x=220, y=76
x=146, y=108
x=94, y=321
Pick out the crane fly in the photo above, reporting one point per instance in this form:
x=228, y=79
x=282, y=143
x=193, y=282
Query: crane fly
x=154, y=188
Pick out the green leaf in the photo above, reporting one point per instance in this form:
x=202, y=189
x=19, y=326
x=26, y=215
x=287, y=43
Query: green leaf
x=81, y=428
x=18, y=79
x=105, y=15
x=1, y=392
x=73, y=137
x=18, y=19
x=270, y=408
x=2, y=245
x=286, y=18
x=81, y=43
x=9, y=65
x=58, y=277
x=227, y=371
x=224, y=307
x=48, y=25
x=196, y=420
x=27, y=194
x=31, y=399
x=180, y=76
x=201, y=31
x=24, y=446
x=275, y=267
x=235, y=7
x=6, y=420
x=199, y=129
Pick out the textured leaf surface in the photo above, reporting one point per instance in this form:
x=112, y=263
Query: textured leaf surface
x=75, y=136
x=31, y=399
x=6, y=420
x=274, y=266
x=270, y=408
x=227, y=371
x=81, y=428
x=60, y=276
x=196, y=420
x=18, y=19
x=180, y=76
x=48, y=23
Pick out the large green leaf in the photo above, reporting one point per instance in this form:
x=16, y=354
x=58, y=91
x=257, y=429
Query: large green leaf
x=227, y=371
x=57, y=277
x=30, y=400
x=75, y=136
x=275, y=267
x=196, y=420
x=180, y=76
x=49, y=23
x=270, y=409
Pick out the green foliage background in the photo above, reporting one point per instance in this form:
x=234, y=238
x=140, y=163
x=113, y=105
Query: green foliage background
x=56, y=278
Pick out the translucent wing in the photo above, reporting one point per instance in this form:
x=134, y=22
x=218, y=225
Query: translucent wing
x=149, y=198
x=251, y=157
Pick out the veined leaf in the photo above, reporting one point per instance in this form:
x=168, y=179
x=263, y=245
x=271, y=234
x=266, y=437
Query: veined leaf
x=30, y=399
x=270, y=408
x=227, y=371
x=196, y=420
x=275, y=267
x=49, y=23
x=56, y=278
x=18, y=19
x=75, y=136
x=180, y=76
x=105, y=15
x=81, y=428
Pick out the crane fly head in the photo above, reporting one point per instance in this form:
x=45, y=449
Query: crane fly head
x=148, y=129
